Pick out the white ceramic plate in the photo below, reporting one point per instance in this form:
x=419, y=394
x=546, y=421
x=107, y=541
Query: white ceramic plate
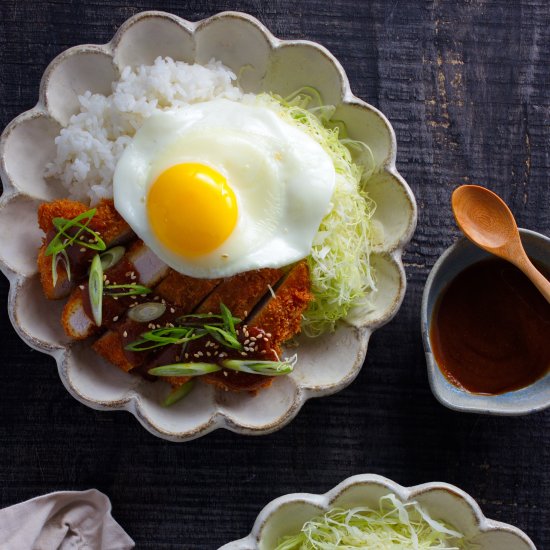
x=326, y=364
x=286, y=515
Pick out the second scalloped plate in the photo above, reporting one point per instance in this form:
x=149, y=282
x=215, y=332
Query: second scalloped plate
x=285, y=515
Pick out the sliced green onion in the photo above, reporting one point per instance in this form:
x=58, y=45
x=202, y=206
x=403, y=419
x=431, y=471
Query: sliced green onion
x=95, y=288
x=265, y=368
x=148, y=311
x=131, y=289
x=58, y=257
x=209, y=316
x=185, y=369
x=62, y=239
x=111, y=257
x=163, y=337
x=223, y=337
x=178, y=393
x=228, y=319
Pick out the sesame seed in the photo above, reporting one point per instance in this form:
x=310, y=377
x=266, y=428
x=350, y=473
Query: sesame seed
x=187, y=356
x=125, y=334
x=163, y=301
x=104, y=277
x=132, y=276
x=81, y=287
x=208, y=354
x=247, y=341
x=156, y=298
x=243, y=353
x=225, y=373
x=172, y=310
x=253, y=338
x=268, y=334
x=83, y=249
x=115, y=318
x=115, y=297
x=263, y=351
x=196, y=355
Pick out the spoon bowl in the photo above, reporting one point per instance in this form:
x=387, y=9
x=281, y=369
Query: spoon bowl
x=488, y=222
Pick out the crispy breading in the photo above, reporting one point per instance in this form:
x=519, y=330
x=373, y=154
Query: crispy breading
x=241, y=292
x=106, y=221
x=110, y=347
x=63, y=208
x=183, y=291
x=282, y=315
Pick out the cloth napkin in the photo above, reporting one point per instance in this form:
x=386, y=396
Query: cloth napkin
x=68, y=520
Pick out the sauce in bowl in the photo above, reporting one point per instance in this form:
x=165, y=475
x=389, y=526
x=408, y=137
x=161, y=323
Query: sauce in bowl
x=490, y=330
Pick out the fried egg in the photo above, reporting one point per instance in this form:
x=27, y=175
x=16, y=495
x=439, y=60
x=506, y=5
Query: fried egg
x=222, y=187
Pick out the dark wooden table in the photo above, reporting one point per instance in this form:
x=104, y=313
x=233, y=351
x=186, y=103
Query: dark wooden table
x=466, y=86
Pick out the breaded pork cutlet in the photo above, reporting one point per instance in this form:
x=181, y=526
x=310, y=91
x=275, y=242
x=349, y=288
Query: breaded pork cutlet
x=106, y=221
x=239, y=293
x=180, y=293
x=139, y=265
x=280, y=317
x=183, y=291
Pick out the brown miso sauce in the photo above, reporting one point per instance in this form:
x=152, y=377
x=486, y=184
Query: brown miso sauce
x=490, y=330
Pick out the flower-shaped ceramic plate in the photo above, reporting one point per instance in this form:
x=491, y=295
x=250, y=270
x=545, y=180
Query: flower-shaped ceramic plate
x=286, y=515
x=326, y=364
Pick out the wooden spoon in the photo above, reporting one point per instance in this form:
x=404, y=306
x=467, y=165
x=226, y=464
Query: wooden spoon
x=486, y=220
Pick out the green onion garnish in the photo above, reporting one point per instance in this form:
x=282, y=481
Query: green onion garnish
x=164, y=336
x=62, y=239
x=178, y=393
x=148, y=311
x=185, y=369
x=112, y=256
x=266, y=368
x=131, y=289
x=224, y=337
x=224, y=331
x=95, y=288
x=56, y=258
x=187, y=319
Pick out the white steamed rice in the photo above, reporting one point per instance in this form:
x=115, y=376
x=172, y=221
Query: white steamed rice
x=89, y=147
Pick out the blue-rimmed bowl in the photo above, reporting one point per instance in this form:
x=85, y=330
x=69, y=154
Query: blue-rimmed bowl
x=455, y=259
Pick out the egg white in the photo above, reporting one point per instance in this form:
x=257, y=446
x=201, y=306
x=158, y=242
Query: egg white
x=283, y=181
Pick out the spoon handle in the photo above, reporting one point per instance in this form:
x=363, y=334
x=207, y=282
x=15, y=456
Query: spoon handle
x=536, y=277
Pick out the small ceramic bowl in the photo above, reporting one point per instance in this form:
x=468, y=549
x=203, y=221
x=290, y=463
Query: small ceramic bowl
x=327, y=364
x=286, y=515
x=455, y=259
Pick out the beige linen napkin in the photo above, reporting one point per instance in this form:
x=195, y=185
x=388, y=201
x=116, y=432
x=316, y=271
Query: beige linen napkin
x=68, y=520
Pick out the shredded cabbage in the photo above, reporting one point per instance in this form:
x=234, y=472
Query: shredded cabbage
x=396, y=525
x=340, y=270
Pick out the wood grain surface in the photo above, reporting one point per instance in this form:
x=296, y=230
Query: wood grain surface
x=466, y=86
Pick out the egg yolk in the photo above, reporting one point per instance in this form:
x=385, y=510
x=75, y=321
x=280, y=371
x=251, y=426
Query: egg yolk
x=191, y=209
